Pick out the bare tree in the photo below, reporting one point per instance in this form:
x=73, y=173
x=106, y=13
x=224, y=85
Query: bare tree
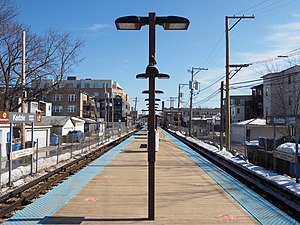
x=50, y=56
x=7, y=11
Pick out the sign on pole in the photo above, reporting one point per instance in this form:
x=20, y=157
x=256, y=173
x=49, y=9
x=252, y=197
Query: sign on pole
x=4, y=116
x=22, y=117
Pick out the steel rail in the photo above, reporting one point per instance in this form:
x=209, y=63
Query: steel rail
x=26, y=193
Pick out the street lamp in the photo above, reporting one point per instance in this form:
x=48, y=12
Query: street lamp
x=156, y=92
x=135, y=23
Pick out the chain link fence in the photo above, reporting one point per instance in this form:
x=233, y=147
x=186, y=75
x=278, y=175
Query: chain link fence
x=63, y=150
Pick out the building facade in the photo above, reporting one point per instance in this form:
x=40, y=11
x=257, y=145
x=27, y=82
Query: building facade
x=282, y=92
x=240, y=107
x=89, y=98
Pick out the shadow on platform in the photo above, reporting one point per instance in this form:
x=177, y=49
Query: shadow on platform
x=79, y=220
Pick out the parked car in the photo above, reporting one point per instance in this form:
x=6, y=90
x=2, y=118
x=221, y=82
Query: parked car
x=75, y=136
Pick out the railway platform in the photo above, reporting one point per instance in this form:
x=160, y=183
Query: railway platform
x=113, y=190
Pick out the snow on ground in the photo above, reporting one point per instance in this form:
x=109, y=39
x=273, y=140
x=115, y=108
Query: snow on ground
x=282, y=180
x=288, y=147
x=20, y=175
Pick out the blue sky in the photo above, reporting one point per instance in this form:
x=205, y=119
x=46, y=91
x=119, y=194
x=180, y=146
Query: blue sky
x=120, y=55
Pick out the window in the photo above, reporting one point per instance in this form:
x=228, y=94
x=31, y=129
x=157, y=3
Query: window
x=289, y=80
x=57, y=97
x=46, y=85
x=87, y=85
x=96, y=85
x=78, y=85
x=238, y=111
x=267, y=91
x=72, y=97
x=57, y=108
x=71, y=108
x=290, y=100
x=96, y=94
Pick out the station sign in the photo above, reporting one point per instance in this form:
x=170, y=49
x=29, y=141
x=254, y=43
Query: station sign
x=15, y=117
x=38, y=118
x=279, y=120
x=283, y=120
x=4, y=116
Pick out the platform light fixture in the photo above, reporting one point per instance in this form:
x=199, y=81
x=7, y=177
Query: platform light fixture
x=135, y=23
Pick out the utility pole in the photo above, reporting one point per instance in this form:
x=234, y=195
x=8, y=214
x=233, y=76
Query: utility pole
x=105, y=107
x=194, y=71
x=24, y=93
x=135, y=112
x=172, y=99
x=222, y=115
x=112, y=110
x=228, y=119
x=178, y=105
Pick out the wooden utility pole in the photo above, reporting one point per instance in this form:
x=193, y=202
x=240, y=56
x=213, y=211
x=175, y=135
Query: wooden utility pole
x=191, y=95
x=178, y=108
x=135, y=112
x=227, y=74
x=178, y=104
x=222, y=115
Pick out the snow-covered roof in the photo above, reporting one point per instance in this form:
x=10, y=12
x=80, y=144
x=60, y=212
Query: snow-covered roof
x=76, y=119
x=88, y=120
x=252, y=122
x=55, y=120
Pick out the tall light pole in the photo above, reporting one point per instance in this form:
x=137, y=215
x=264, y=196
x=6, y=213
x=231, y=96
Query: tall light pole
x=135, y=23
x=227, y=80
x=194, y=72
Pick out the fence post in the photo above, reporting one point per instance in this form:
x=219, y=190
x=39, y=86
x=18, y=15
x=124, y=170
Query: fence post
x=72, y=147
x=36, y=155
x=57, y=153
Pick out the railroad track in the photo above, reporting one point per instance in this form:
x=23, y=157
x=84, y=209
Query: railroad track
x=22, y=196
x=283, y=198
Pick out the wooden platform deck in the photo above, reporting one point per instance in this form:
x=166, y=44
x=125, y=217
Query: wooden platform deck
x=185, y=194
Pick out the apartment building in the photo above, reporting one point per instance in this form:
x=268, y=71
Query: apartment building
x=89, y=98
x=282, y=92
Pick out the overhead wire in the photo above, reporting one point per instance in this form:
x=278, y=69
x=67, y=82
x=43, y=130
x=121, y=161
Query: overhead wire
x=258, y=10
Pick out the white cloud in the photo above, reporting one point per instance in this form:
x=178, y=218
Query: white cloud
x=296, y=15
x=96, y=27
x=287, y=36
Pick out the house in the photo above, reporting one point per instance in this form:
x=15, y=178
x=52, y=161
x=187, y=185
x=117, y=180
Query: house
x=253, y=128
x=78, y=123
x=61, y=125
x=240, y=107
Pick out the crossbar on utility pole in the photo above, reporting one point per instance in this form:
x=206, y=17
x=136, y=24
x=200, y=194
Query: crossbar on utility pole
x=228, y=119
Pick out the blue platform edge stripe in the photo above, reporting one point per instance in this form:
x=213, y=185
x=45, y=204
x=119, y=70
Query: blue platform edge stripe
x=44, y=207
x=261, y=209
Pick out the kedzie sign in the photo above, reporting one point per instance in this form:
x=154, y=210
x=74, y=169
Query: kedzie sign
x=15, y=117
